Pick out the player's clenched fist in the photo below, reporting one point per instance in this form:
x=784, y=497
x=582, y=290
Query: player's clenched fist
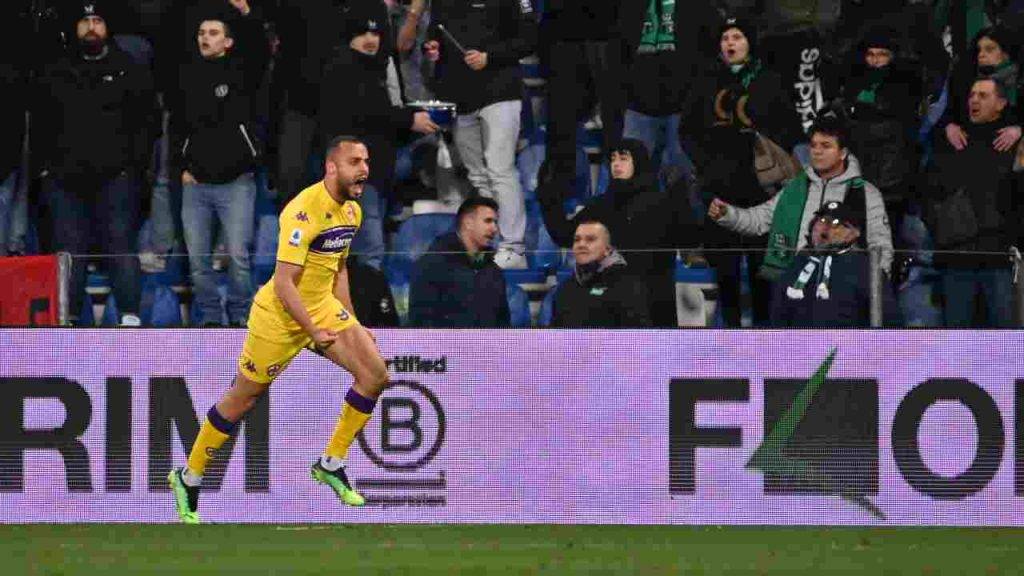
x=718, y=209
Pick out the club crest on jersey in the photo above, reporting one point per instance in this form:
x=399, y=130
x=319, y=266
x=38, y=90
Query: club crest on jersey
x=343, y=315
x=350, y=212
x=302, y=217
x=296, y=237
x=333, y=240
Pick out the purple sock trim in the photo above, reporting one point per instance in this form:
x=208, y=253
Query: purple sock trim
x=219, y=422
x=360, y=402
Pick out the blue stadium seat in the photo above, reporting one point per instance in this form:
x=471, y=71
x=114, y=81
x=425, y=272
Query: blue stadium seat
x=413, y=238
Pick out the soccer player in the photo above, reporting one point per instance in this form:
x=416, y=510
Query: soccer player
x=306, y=304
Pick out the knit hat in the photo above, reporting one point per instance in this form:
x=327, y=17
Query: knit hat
x=362, y=18
x=743, y=25
x=880, y=37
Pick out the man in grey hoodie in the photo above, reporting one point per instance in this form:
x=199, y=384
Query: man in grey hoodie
x=834, y=175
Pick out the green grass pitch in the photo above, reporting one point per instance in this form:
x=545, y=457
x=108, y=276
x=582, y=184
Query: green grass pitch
x=505, y=549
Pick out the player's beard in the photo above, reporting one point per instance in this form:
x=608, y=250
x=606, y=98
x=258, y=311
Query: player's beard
x=345, y=189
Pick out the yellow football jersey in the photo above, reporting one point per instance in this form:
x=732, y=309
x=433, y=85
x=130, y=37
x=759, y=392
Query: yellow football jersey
x=315, y=233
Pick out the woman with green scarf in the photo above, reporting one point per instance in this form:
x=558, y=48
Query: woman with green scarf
x=744, y=98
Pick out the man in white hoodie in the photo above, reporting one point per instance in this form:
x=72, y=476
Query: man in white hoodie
x=834, y=175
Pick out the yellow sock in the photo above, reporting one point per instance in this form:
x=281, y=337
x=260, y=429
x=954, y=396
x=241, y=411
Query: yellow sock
x=354, y=415
x=211, y=437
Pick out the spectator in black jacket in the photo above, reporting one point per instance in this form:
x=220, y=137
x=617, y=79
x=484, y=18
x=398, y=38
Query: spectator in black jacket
x=974, y=206
x=354, y=101
x=602, y=292
x=828, y=284
x=214, y=137
x=881, y=96
x=485, y=83
x=745, y=97
x=648, y=224
x=95, y=126
x=581, y=48
x=456, y=283
x=310, y=32
x=669, y=47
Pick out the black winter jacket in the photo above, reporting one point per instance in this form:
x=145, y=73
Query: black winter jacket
x=641, y=219
x=994, y=191
x=214, y=134
x=450, y=291
x=505, y=29
x=611, y=297
x=354, y=99
x=95, y=117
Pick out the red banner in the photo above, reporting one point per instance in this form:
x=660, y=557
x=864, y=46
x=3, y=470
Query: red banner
x=29, y=291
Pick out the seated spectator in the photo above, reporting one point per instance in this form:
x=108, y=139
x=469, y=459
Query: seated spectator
x=94, y=127
x=648, y=224
x=744, y=98
x=828, y=283
x=371, y=295
x=991, y=57
x=354, y=101
x=214, y=138
x=833, y=175
x=881, y=97
x=485, y=82
x=602, y=292
x=456, y=284
x=974, y=205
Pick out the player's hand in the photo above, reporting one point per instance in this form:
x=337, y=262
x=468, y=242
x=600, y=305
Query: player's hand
x=432, y=50
x=476, y=60
x=323, y=338
x=422, y=123
x=717, y=210
x=188, y=178
x=1007, y=138
x=956, y=136
x=242, y=6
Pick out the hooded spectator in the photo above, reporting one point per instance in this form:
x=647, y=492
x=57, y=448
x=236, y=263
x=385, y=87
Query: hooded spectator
x=648, y=225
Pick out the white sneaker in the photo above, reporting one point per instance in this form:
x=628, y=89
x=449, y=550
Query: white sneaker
x=509, y=260
x=130, y=321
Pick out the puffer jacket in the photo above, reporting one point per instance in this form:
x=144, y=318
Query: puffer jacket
x=757, y=221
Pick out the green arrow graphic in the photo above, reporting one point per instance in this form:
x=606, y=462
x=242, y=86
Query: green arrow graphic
x=769, y=457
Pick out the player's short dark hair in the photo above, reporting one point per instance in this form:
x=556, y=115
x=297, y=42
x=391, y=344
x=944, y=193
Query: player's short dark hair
x=1001, y=90
x=337, y=141
x=469, y=205
x=832, y=126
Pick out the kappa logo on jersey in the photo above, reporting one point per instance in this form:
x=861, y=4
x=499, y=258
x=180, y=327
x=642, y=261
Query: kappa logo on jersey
x=333, y=240
x=302, y=217
x=329, y=216
x=249, y=365
x=296, y=238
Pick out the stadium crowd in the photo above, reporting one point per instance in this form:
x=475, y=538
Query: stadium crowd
x=775, y=139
